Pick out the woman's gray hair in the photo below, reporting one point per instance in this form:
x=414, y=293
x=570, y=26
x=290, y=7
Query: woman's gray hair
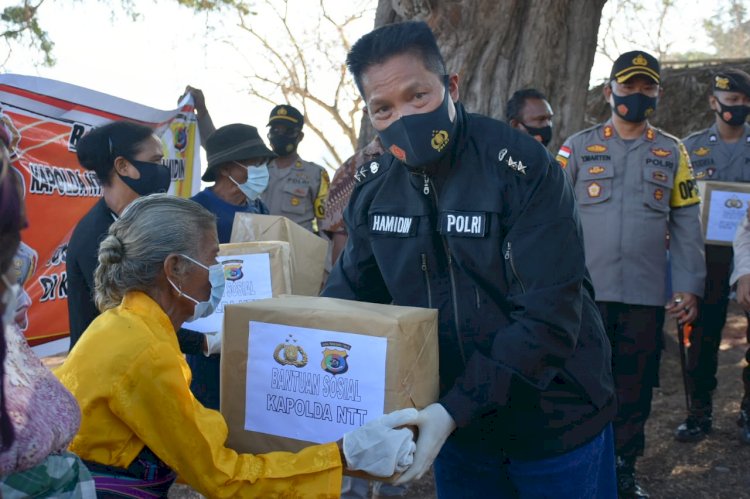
x=150, y=229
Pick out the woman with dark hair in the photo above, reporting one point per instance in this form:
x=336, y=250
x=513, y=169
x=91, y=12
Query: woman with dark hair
x=38, y=416
x=127, y=160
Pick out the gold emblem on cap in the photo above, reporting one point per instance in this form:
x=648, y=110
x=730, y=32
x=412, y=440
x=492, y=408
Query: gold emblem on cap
x=640, y=60
x=282, y=111
x=722, y=83
x=439, y=139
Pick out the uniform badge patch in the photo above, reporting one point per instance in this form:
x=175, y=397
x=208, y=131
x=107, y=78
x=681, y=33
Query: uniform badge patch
x=562, y=156
x=659, y=175
x=393, y=225
x=711, y=171
x=650, y=134
x=712, y=138
x=700, y=175
x=658, y=194
x=596, y=170
x=516, y=165
x=722, y=83
x=295, y=201
x=596, y=148
x=608, y=132
x=399, y=153
x=662, y=153
x=594, y=190
x=374, y=166
x=701, y=151
x=463, y=223
x=501, y=154
x=439, y=139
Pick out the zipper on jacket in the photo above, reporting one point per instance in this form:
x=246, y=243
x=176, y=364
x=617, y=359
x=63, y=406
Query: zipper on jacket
x=509, y=257
x=476, y=295
x=454, y=300
x=426, y=273
x=426, y=188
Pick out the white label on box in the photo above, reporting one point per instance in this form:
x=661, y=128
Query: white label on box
x=311, y=384
x=248, y=278
x=726, y=210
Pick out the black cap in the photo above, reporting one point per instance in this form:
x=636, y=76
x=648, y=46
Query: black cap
x=732, y=80
x=635, y=63
x=235, y=142
x=284, y=113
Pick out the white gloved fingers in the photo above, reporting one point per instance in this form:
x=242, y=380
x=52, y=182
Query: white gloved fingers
x=398, y=418
x=213, y=342
x=405, y=455
x=435, y=425
x=376, y=449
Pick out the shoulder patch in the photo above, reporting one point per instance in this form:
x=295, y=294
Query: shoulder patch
x=676, y=140
x=370, y=170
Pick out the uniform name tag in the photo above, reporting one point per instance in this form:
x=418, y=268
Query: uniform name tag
x=394, y=225
x=463, y=223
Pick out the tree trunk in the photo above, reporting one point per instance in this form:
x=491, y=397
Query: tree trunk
x=500, y=46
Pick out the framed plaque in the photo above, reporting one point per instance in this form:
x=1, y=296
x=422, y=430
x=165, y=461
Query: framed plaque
x=724, y=205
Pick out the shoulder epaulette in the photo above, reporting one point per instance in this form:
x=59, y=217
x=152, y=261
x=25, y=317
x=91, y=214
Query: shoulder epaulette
x=695, y=134
x=668, y=135
x=375, y=168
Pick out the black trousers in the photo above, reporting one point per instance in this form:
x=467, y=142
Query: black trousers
x=635, y=332
x=703, y=354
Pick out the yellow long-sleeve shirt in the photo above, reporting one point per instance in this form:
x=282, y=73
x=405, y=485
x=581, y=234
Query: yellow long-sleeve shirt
x=132, y=384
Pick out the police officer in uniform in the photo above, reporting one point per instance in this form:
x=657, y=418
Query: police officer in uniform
x=633, y=182
x=720, y=152
x=468, y=216
x=297, y=189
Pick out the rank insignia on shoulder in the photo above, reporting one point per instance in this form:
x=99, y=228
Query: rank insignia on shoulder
x=501, y=154
x=701, y=151
x=360, y=175
x=662, y=153
x=650, y=134
x=712, y=138
x=596, y=148
x=608, y=132
x=516, y=165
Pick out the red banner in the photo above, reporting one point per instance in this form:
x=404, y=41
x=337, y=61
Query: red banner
x=46, y=119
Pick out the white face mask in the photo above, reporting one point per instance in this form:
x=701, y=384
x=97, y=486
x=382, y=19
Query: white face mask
x=10, y=301
x=256, y=183
x=216, y=279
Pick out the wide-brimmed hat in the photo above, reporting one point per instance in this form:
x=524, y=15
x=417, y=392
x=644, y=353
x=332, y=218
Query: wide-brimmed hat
x=234, y=142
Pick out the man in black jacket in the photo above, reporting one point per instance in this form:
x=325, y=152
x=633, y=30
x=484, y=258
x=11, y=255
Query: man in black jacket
x=468, y=216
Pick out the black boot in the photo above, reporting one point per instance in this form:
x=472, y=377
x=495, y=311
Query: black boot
x=627, y=486
x=698, y=424
x=744, y=421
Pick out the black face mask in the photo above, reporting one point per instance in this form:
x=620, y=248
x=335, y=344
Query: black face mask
x=422, y=139
x=283, y=145
x=634, y=108
x=543, y=134
x=733, y=115
x=155, y=177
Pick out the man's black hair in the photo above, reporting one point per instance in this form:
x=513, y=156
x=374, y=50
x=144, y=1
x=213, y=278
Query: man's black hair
x=377, y=46
x=518, y=100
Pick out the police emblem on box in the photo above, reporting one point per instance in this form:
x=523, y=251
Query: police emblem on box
x=334, y=359
x=294, y=355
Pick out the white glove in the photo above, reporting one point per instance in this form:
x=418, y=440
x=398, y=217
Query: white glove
x=213, y=343
x=435, y=425
x=376, y=448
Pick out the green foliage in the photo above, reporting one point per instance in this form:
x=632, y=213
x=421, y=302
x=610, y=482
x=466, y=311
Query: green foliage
x=19, y=24
x=729, y=29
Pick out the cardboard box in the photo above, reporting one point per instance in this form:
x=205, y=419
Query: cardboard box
x=308, y=251
x=275, y=367
x=280, y=256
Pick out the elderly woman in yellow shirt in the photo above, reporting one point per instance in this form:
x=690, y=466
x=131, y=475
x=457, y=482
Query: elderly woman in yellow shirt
x=141, y=426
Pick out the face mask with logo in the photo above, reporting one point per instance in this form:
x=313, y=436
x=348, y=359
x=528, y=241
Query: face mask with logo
x=283, y=144
x=216, y=279
x=543, y=134
x=256, y=183
x=10, y=301
x=634, y=108
x=155, y=177
x=733, y=115
x=418, y=140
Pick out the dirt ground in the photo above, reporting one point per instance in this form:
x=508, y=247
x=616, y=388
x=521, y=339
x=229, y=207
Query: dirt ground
x=717, y=467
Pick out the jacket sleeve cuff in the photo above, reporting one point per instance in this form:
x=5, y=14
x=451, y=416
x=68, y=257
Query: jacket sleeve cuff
x=459, y=405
